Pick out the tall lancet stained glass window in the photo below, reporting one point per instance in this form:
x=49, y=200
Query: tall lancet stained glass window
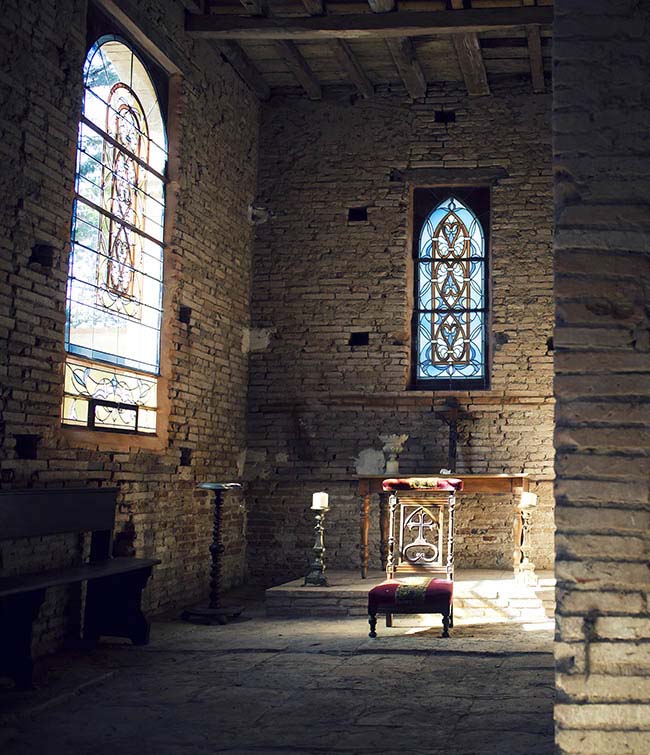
x=114, y=296
x=451, y=288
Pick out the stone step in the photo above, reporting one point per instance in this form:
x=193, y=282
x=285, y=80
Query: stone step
x=482, y=600
x=344, y=607
x=546, y=593
x=528, y=615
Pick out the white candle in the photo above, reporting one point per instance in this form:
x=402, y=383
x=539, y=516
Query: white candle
x=528, y=500
x=319, y=501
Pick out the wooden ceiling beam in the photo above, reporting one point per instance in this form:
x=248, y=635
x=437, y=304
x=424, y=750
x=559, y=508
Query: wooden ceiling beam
x=381, y=6
x=348, y=62
x=255, y=7
x=233, y=54
x=244, y=67
x=408, y=66
x=470, y=59
x=314, y=7
x=194, y=6
x=398, y=24
x=300, y=69
x=536, y=60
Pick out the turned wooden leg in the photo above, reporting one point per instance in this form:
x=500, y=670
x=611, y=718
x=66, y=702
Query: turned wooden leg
x=384, y=530
x=445, y=624
x=372, y=620
x=451, y=617
x=365, y=528
x=389, y=619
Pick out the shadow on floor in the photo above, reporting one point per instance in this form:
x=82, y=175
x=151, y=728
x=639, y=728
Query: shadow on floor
x=295, y=686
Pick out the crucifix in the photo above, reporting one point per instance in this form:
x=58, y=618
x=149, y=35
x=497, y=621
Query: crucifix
x=450, y=418
x=421, y=525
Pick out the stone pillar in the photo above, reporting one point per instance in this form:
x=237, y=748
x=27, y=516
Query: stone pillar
x=602, y=347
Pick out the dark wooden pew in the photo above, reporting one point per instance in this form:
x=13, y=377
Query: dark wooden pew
x=115, y=585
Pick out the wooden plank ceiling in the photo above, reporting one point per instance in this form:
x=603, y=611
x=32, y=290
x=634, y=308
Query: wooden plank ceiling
x=302, y=46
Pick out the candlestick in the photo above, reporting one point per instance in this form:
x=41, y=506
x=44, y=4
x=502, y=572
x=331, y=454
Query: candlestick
x=316, y=575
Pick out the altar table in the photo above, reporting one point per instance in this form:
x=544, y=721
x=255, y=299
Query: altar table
x=513, y=484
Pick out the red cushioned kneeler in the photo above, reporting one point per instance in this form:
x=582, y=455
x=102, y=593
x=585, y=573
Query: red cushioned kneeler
x=416, y=545
x=426, y=596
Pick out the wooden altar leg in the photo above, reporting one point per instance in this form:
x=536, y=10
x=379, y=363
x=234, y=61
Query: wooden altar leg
x=365, y=528
x=516, y=538
x=523, y=566
x=384, y=529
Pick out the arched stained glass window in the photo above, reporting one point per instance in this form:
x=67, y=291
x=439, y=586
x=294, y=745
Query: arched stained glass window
x=451, y=291
x=114, y=296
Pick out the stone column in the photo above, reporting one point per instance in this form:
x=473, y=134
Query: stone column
x=602, y=362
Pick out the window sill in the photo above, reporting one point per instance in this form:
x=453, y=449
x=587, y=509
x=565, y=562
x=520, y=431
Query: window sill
x=80, y=437
x=447, y=389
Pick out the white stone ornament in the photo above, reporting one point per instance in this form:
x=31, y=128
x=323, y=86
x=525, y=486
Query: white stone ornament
x=393, y=446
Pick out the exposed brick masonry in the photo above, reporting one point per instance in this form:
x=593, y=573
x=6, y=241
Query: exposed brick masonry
x=209, y=269
x=315, y=402
x=602, y=263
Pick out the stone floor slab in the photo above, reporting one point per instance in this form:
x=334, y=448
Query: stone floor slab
x=310, y=686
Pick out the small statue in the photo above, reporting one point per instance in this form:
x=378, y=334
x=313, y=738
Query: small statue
x=393, y=446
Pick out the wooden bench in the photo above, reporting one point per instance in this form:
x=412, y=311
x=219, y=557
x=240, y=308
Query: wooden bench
x=114, y=585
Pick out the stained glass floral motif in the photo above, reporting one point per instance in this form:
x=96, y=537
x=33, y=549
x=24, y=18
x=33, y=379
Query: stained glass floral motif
x=114, y=300
x=109, y=399
x=451, y=295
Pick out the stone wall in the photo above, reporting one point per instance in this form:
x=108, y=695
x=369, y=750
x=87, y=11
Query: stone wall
x=208, y=268
x=602, y=188
x=315, y=401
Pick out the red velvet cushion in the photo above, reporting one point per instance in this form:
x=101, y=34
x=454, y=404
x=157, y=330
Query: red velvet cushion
x=422, y=483
x=432, y=595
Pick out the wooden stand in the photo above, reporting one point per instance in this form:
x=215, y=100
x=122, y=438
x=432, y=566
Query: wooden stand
x=214, y=612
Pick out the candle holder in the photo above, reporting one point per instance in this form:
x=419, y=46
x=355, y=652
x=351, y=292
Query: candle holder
x=316, y=575
x=215, y=612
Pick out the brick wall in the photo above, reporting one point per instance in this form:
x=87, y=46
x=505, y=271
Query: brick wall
x=602, y=384
x=209, y=268
x=315, y=402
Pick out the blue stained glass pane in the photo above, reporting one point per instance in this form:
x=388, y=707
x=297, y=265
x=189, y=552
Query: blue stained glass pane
x=451, y=294
x=477, y=284
x=426, y=287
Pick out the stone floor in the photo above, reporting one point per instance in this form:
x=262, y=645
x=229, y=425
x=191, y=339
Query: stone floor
x=274, y=685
